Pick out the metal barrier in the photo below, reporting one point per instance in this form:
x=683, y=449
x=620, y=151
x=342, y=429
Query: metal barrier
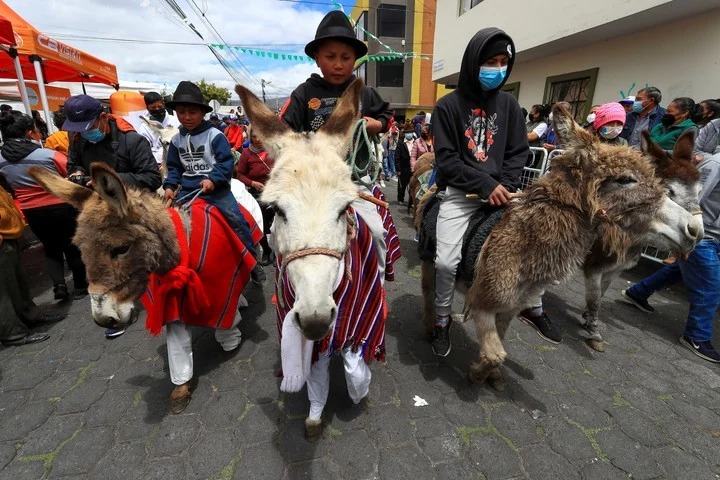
x=551, y=155
x=536, y=169
x=655, y=254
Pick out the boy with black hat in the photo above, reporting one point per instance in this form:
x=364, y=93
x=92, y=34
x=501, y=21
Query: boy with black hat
x=480, y=148
x=199, y=158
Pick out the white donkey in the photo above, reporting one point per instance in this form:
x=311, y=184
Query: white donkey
x=330, y=294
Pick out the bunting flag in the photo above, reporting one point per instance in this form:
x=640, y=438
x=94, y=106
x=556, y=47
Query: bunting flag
x=284, y=56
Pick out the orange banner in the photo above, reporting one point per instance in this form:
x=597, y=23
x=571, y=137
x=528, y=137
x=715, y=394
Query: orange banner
x=56, y=96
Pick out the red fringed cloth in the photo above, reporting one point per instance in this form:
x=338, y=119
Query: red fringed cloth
x=204, y=289
x=360, y=299
x=392, y=242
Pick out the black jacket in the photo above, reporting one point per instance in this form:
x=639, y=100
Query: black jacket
x=128, y=153
x=312, y=102
x=402, y=156
x=480, y=138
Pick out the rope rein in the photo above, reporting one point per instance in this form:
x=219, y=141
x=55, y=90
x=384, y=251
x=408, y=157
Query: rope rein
x=361, y=140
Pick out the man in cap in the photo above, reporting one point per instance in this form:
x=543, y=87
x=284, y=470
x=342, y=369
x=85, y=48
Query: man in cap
x=97, y=136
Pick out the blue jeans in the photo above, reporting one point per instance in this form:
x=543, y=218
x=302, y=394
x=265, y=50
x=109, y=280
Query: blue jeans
x=391, y=163
x=701, y=275
x=385, y=166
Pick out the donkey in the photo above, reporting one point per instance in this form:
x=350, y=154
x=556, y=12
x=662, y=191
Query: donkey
x=594, y=192
x=330, y=295
x=131, y=244
x=682, y=181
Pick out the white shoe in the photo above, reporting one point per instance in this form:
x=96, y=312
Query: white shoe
x=382, y=184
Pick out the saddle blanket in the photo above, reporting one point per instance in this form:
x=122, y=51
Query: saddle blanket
x=392, y=242
x=204, y=289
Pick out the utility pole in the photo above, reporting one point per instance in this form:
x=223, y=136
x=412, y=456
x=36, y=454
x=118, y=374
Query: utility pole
x=263, y=83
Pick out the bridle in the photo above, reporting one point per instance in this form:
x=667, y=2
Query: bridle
x=328, y=252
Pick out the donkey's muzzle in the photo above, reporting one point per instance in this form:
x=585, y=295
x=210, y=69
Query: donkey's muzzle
x=109, y=313
x=314, y=326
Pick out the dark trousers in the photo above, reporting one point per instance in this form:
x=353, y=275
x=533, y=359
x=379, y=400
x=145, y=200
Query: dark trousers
x=17, y=310
x=404, y=176
x=268, y=215
x=54, y=226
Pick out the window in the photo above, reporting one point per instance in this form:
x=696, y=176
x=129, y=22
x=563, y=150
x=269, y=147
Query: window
x=513, y=89
x=576, y=88
x=361, y=72
x=390, y=74
x=361, y=27
x=466, y=5
x=391, y=20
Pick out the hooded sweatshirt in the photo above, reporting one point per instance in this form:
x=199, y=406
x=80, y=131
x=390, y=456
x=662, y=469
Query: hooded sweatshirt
x=312, y=102
x=480, y=138
x=16, y=158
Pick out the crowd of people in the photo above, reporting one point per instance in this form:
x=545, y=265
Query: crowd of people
x=479, y=136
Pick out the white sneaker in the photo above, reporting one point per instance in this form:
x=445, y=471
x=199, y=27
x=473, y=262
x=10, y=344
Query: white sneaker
x=382, y=184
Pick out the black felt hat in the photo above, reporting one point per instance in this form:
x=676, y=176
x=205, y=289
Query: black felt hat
x=187, y=93
x=336, y=26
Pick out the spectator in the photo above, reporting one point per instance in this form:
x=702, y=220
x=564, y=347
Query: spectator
x=96, y=136
x=235, y=134
x=402, y=161
x=215, y=120
x=706, y=143
x=58, y=141
x=646, y=114
x=418, y=121
x=536, y=125
x=676, y=120
x=18, y=312
x=40, y=124
x=52, y=221
x=422, y=145
x=5, y=110
x=608, y=124
x=590, y=119
x=156, y=114
x=627, y=104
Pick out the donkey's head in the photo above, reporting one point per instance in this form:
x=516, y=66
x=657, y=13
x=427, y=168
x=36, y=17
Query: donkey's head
x=618, y=188
x=681, y=180
x=310, y=191
x=122, y=235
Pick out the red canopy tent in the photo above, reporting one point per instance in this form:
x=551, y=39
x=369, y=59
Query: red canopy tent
x=33, y=55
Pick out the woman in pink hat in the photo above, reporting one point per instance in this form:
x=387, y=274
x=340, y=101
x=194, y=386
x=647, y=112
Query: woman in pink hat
x=609, y=121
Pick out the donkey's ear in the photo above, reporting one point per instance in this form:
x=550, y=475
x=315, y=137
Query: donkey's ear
x=660, y=157
x=684, y=146
x=264, y=122
x=108, y=185
x=570, y=134
x=65, y=190
x=346, y=111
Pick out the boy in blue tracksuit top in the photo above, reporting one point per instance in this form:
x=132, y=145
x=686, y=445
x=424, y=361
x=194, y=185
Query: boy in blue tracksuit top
x=199, y=157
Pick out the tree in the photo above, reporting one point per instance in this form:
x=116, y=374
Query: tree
x=212, y=92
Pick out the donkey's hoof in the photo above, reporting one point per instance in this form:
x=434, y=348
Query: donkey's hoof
x=477, y=373
x=495, y=380
x=180, y=398
x=597, y=345
x=313, y=430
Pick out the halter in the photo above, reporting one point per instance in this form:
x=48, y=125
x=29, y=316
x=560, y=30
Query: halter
x=328, y=252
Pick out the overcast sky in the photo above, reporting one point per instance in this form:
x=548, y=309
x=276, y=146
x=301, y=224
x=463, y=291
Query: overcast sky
x=274, y=25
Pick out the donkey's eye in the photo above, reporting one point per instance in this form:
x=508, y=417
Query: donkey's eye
x=121, y=250
x=342, y=213
x=671, y=192
x=626, y=180
x=279, y=211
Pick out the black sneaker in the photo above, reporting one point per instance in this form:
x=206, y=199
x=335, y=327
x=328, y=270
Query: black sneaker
x=704, y=350
x=638, y=302
x=441, y=340
x=542, y=325
x=257, y=274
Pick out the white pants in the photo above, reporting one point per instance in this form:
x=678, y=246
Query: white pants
x=368, y=212
x=357, y=377
x=179, y=347
x=452, y=222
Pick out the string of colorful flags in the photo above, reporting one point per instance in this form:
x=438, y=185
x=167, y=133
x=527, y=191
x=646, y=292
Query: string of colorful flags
x=271, y=55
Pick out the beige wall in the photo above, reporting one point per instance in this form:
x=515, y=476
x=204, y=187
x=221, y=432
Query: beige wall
x=679, y=58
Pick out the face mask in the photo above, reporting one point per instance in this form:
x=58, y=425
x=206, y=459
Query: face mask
x=637, y=106
x=94, y=135
x=590, y=118
x=408, y=136
x=424, y=136
x=159, y=113
x=667, y=119
x=491, y=77
x=610, y=132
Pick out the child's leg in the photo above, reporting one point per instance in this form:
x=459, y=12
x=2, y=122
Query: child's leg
x=180, y=355
x=357, y=375
x=368, y=212
x=226, y=203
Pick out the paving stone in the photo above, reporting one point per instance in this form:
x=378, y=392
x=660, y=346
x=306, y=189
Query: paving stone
x=175, y=436
x=545, y=463
x=382, y=387
x=294, y=446
x=462, y=413
x=433, y=427
x=431, y=396
x=638, y=426
x=702, y=442
x=81, y=453
x=261, y=423
x=441, y=448
x=213, y=451
x=628, y=455
x=164, y=470
x=13, y=399
x=52, y=433
x=262, y=385
x=599, y=470
x=28, y=377
x=456, y=470
x=24, y=419
x=404, y=462
x=80, y=398
x=567, y=440
x=7, y=453
x=312, y=470
x=223, y=409
x=584, y=411
x=108, y=409
x=122, y=462
x=493, y=457
x=681, y=464
x=353, y=455
x=518, y=426
x=266, y=455
x=695, y=414
x=389, y=425
x=17, y=470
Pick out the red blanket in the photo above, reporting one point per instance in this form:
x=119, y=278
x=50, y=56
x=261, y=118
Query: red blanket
x=205, y=287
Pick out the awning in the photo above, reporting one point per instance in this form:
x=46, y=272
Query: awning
x=7, y=37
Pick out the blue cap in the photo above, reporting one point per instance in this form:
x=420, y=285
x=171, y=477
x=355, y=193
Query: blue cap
x=81, y=112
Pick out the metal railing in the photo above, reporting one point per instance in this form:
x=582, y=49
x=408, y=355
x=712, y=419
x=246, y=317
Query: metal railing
x=534, y=168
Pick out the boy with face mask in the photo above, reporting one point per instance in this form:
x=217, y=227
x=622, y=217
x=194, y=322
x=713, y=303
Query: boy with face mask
x=480, y=147
x=608, y=123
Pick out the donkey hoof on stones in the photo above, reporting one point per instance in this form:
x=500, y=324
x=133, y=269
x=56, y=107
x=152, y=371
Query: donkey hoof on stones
x=180, y=398
x=478, y=372
x=495, y=379
x=597, y=345
x=313, y=430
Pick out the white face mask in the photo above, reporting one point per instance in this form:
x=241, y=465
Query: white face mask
x=610, y=133
x=590, y=118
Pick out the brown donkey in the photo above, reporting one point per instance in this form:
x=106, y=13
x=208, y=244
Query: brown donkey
x=594, y=192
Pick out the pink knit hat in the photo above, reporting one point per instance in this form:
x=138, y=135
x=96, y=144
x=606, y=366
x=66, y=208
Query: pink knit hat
x=609, y=112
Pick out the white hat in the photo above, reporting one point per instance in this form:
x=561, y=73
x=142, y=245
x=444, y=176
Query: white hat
x=630, y=99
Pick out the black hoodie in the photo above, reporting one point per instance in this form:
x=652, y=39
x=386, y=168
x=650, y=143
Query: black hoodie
x=312, y=102
x=480, y=138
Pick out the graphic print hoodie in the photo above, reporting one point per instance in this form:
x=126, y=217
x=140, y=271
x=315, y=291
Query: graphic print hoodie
x=480, y=138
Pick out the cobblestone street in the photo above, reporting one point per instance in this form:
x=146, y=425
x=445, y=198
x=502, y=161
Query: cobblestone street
x=82, y=406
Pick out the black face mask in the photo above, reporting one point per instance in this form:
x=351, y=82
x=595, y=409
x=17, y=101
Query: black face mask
x=424, y=136
x=667, y=120
x=158, y=114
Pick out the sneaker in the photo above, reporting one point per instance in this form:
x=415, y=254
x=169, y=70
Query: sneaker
x=441, y=340
x=114, y=332
x=542, y=325
x=704, y=350
x=382, y=184
x=258, y=274
x=640, y=303
x=61, y=292
x=80, y=293
x=265, y=259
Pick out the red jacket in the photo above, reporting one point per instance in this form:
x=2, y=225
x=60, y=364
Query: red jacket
x=234, y=134
x=254, y=167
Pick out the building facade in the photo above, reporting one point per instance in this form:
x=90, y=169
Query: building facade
x=589, y=52
x=403, y=27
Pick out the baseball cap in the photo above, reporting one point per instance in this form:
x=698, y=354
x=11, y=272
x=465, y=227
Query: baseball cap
x=630, y=99
x=81, y=112
x=213, y=116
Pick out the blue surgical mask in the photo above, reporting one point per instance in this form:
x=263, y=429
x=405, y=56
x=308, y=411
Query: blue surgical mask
x=637, y=106
x=491, y=77
x=408, y=136
x=94, y=135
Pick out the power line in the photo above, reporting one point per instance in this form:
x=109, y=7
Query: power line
x=71, y=36
x=349, y=5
